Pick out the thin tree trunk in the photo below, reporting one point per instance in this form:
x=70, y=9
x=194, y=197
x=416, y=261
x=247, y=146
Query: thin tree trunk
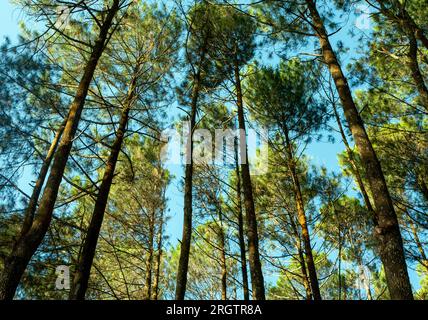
x=27, y=245
x=241, y=228
x=32, y=204
x=149, y=260
x=257, y=281
x=356, y=171
x=415, y=70
x=222, y=247
x=301, y=217
x=387, y=232
x=83, y=269
x=423, y=260
x=183, y=263
x=155, y=290
x=305, y=278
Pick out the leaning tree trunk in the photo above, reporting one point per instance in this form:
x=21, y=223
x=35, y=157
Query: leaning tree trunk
x=32, y=204
x=387, y=231
x=301, y=217
x=355, y=170
x=27, y=245
x=241, y=229
x=257, y=281
x=83, y=269
x=415, y=70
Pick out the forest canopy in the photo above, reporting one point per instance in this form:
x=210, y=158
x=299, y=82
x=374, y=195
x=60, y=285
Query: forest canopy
x=214, y=150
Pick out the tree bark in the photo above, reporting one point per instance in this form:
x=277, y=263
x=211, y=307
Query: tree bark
x=356, y=171
x=387, y=232
x=183, y=263
x=415, y=70
x=27, y=245
x=301, y=217
x=32, y=204
x=241, y=229
x=155, y=291
x=149, y=260
x=83, y=269
x=257, y=281
x=222, y=246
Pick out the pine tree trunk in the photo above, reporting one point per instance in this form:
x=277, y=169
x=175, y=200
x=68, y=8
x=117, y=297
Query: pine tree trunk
x=415, y=70
x=83, y=269
x=387, y=232
x=356, y=171
x=301, y=217
x=27, y=245
x=149, y=260
x=183, y=263
x=222, y=247
x=257, y=281
x=241, y=229
x=155, y=291
x=32, y=204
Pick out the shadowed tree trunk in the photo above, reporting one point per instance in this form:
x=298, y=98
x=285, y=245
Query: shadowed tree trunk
x=355, y=170
x=149, y=260
x=301, y=217
x=183, y=264
x=222, y=255
x=257, y=281
x=155, y=291
x=32, y=204
x=241, y=228
x=415, y=70
x=28, y=243
x=83, y=269
x=387, y=231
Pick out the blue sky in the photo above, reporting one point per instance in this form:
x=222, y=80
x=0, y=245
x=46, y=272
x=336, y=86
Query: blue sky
x=322, y=153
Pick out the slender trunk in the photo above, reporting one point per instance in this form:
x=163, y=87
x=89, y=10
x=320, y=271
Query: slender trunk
x=423, y=260
x=27, y=245
x=387, y=231
x=149, y=260
x=354, y=166
x=404, y=19
x=83, y=269
x=222, y=247
x=301, y=217
x=183, y=263
x=415, y=70
x=241, y=228
x=305, y=278
x=257, y=281
x=32, y=204
x=155, y=291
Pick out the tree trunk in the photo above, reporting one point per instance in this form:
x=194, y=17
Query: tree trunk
x=83, y=269
x=257, y=281
x=183, y=263
x=27, y=245
x=387, y=232
x=356, y=171
x=241, y=228
x=222, y=246
x=32, y=204
x=149, y=260
x=415, y=70
x=155, y=291
x=305, y=278
x=301, y=217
